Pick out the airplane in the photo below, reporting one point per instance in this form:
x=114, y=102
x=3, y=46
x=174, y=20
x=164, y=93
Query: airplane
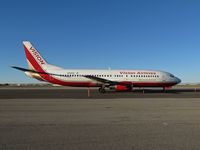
x=120, y=80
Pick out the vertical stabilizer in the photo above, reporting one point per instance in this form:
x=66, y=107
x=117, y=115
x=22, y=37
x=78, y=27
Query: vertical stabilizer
x=35, y=60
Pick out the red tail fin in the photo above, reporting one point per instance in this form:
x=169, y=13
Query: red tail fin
x=34, y=59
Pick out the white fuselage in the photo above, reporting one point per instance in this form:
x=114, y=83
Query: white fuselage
x=144, y=78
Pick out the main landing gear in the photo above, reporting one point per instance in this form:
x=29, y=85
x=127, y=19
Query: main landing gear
x=102, y=89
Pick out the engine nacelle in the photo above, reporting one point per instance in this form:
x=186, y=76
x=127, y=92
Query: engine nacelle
x=120, y=88
x=167, y=88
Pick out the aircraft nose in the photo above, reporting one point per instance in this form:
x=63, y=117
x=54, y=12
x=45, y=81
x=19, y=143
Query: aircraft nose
x=178, y=80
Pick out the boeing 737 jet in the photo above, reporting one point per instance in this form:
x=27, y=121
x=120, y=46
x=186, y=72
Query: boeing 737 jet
x=120, y=80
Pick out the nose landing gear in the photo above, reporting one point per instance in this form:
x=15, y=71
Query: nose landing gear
x=164, y=89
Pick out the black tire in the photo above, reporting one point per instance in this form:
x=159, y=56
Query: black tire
x=102, y=90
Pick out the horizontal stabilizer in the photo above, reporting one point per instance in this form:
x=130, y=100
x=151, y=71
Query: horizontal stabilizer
x=33, y=71
x=27, y=70
x=23, y=69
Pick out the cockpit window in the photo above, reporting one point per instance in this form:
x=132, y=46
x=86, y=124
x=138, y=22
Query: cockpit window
x=171, y=75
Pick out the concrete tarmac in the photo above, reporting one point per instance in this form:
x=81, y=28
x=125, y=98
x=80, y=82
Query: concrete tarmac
x=134, y=123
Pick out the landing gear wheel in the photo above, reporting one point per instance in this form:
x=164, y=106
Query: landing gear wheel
x=102, y=90
x=164, y=89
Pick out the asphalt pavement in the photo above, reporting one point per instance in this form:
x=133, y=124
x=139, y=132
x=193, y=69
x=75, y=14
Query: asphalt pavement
x=49, y=119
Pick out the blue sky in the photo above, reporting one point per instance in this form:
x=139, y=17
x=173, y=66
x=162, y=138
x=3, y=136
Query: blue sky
x=97, y=34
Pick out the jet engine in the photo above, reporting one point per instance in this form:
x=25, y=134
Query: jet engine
x=121, y=88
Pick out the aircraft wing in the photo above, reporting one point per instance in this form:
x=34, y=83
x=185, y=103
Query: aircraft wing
x=102, y=80
x=107, y=82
